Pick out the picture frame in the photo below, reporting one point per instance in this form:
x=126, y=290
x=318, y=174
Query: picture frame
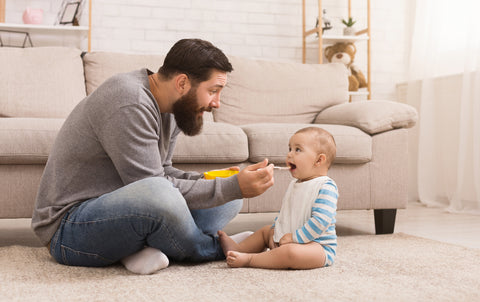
x=15, y=37
x=69, y=13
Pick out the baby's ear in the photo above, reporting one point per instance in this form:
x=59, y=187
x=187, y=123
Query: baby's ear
x=321, y=159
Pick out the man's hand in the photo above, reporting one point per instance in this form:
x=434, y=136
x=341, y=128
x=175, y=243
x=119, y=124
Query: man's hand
x=287, y=238
x=233, y=168
x=255, y=179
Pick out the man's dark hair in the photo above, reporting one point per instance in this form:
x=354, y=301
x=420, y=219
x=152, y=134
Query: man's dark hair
x=196, y=58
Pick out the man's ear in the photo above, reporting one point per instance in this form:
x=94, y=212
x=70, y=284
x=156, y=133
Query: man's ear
x=182, y=83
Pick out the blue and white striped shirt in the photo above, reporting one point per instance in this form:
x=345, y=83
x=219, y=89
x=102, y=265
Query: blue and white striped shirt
x=319, y=218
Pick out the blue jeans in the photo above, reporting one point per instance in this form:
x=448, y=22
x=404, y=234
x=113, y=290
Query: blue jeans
x=150, y=212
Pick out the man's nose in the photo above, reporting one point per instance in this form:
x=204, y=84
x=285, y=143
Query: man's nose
x=215, y=103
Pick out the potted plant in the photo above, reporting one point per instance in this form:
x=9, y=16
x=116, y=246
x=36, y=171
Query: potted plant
x=349, y=30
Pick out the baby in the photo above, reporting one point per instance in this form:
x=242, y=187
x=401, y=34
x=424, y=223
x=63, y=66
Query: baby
x=303, y=234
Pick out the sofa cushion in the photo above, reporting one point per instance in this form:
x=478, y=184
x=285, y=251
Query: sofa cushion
x=279, y=92
x=218, y=143
x=100, y=66
x=271, y=141
x=371, y=116
x=40, y=81
x=27, y=140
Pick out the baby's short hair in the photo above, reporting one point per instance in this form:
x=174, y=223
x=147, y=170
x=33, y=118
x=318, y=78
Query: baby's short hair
x=324, y=141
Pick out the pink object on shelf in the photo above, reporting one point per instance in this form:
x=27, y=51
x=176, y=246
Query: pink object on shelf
x=33, y=16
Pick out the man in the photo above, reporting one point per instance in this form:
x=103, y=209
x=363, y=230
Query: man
x=109, y=192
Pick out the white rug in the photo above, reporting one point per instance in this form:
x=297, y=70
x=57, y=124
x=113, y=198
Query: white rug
x=395, y=267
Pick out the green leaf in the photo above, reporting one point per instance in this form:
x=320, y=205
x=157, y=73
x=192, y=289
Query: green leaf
x=349, y=23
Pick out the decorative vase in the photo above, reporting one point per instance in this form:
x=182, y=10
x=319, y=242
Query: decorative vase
x=349, y=31
x=33, y=16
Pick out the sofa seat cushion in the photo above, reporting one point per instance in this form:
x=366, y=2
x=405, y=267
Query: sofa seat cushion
x=280, y=92
x=271, y=141
x=27, y=140
x=30, y=140
x=217, y=143
x=40, y=81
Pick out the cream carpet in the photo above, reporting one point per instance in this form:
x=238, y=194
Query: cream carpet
x=394, y=267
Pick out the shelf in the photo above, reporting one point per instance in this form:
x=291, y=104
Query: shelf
x=42, y=28
x=71, y=35
x=365, y=92
x=332, y=39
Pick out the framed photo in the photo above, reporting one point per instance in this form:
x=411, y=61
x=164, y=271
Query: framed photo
x=70, y=12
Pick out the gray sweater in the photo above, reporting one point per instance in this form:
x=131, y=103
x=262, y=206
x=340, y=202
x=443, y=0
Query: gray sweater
x=114, y=137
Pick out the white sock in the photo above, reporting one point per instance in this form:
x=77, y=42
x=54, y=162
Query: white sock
x=241, y=236
x=146, y=261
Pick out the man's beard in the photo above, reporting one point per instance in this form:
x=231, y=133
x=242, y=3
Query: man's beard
x=186, y=112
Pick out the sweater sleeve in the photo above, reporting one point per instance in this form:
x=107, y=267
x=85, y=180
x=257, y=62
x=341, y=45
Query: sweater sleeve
x=323, y=215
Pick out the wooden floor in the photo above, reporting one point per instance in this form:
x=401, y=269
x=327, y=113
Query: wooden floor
x=433, y=223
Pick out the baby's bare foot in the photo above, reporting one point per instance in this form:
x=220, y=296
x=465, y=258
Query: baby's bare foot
x=237, y=259
x=227, y=243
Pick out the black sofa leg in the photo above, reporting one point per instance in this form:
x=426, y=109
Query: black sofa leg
x=384, y=221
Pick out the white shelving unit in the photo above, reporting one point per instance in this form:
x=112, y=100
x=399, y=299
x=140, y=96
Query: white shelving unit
x=330, y=39
x=79, y=36
x=53, y=35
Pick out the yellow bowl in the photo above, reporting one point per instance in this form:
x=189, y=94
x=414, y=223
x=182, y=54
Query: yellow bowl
x=219, y=173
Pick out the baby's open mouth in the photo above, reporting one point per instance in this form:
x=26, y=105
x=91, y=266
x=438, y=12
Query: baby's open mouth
x=292, y=166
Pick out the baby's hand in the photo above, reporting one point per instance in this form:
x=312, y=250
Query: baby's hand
x=271, y=243
x=287, y=238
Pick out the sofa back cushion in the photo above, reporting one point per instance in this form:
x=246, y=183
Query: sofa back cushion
x=100, y=66
x=280, y=92
x=40, y=81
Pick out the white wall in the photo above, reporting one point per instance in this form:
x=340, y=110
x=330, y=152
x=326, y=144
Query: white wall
x=266, y=29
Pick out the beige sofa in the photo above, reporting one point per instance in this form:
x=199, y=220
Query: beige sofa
x=263, y=104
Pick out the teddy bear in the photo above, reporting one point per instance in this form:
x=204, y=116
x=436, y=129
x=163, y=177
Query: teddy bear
x=344, y=52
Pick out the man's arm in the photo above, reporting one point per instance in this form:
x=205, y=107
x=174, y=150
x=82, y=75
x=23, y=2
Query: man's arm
x=180, y=174
x=130, y=138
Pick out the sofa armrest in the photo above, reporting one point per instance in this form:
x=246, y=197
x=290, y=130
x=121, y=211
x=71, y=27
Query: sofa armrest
x=370, y=116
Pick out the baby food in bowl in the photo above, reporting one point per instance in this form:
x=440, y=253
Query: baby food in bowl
x=219, y=173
